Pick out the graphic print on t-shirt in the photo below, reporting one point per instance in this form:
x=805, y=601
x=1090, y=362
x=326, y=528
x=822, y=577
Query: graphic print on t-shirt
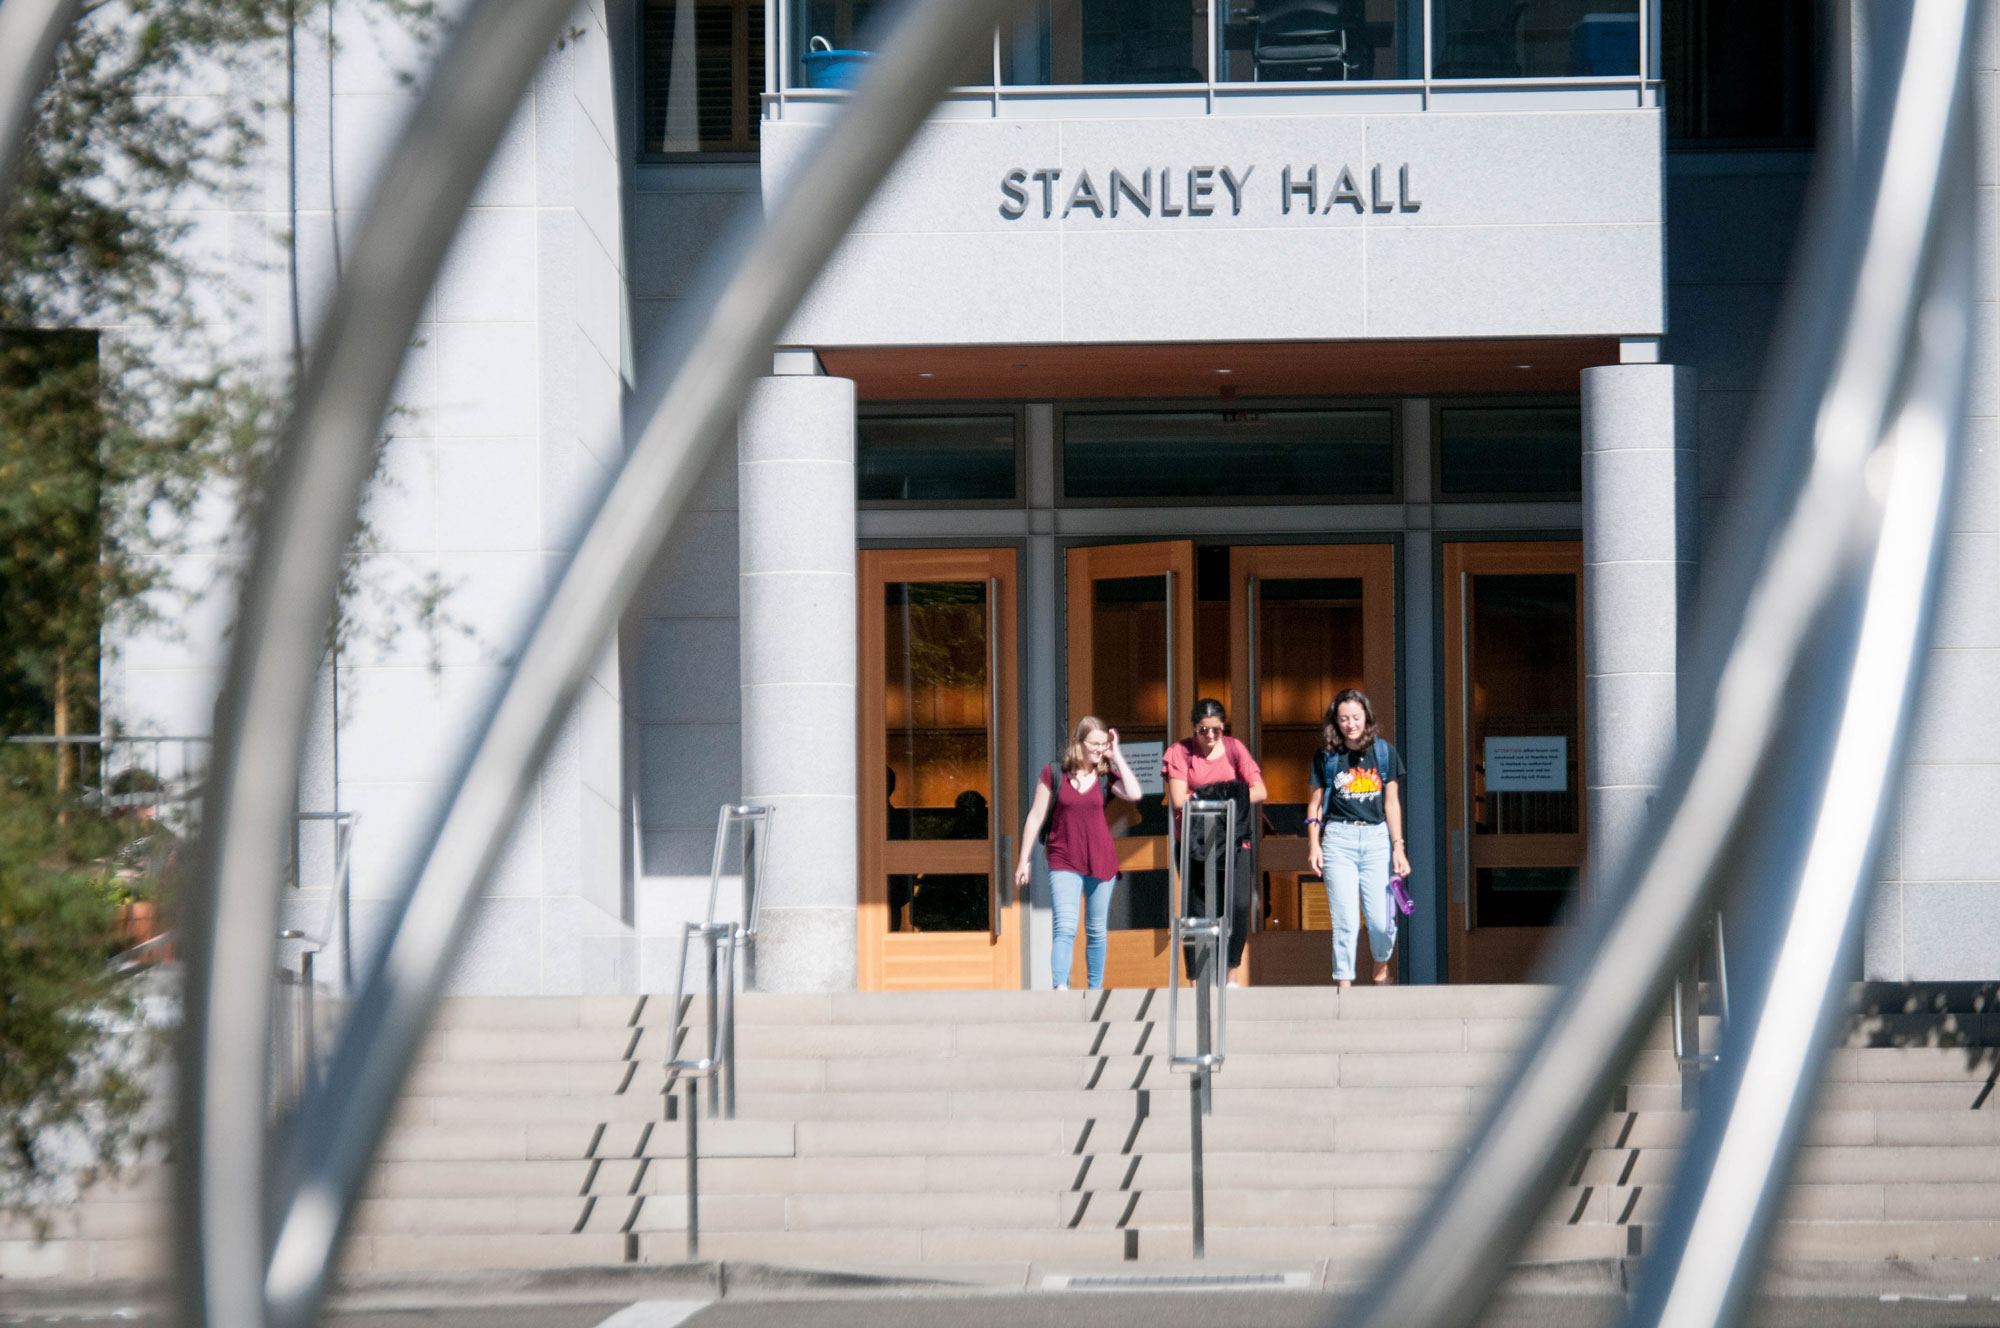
x=1358, y=783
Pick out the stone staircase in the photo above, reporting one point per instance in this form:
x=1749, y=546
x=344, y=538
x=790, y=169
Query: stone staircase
x=962, y=1128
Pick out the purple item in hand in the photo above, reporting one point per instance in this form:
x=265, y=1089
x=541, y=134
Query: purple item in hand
x=1404, y=904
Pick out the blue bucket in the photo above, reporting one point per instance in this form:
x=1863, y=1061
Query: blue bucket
x=828, y=68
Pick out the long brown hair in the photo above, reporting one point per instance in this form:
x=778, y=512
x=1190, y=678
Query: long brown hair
x=1077, y=758
x=1331, y=733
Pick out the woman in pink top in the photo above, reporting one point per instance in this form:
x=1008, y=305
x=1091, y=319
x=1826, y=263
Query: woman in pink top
x=1083, y=860
x=1212, y=764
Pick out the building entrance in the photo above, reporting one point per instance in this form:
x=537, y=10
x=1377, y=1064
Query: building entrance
x=1274, y=632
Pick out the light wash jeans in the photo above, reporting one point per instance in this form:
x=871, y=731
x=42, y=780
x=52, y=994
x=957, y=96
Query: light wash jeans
x=1356, y=861
x=1067, y=889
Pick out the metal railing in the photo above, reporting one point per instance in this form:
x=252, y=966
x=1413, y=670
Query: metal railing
x=1418, y=79
x=1820, y=598
x=337, y=929
x=296, y=1041
x=152, y=782
x=1694, y=1063
x=1199, y=939
x=722, y=942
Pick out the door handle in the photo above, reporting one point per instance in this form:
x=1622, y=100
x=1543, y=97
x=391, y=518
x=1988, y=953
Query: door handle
x=1001, y=895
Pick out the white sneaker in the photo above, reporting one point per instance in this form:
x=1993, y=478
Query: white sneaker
x=1062, y=986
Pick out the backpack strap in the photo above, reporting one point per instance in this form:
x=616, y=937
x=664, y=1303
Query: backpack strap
x=1382, y=760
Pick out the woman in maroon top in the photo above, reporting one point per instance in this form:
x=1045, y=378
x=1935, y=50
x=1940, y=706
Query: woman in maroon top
x=1083, y=862
x=1213, y=765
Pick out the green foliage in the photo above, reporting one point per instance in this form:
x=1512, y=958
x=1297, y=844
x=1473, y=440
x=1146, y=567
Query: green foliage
x=71, y=1088
x=123, y=406
x=51, y=481
x=99, y=236
x=108, y=441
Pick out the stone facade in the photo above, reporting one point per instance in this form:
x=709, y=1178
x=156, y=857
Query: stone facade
x=1521, y=220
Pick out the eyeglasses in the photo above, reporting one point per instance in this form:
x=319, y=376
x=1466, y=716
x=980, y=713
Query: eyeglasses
x=1209, y=730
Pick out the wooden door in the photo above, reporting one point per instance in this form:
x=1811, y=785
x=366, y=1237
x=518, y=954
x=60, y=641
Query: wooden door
x=1131, y=663
x=939, y=770
x=1516, y=815
x=1305, y=621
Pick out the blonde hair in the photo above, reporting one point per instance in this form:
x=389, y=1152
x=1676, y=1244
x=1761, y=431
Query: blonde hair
x=1077, y=757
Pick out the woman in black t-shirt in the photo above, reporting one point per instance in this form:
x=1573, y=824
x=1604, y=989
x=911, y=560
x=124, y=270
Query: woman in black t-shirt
x=1354, y=819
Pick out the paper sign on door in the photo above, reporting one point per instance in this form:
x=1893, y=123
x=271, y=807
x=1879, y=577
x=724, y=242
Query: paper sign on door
x=1145, y=759
x=1527, y=765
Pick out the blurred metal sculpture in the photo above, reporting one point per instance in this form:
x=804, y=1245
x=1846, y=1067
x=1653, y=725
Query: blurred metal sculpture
x=31, y=32
x=1817, y=615
x=1820, y=608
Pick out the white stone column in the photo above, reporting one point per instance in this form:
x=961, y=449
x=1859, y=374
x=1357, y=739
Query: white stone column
x=795, y=475
x=1639, y=560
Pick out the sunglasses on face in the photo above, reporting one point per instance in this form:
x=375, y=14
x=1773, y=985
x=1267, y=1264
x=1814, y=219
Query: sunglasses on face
x=1209, y=730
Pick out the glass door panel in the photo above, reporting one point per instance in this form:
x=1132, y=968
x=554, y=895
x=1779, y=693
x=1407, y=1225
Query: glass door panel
x=938, y=769
x=1306, y=622
x=1514, y=737
x=1131, y=663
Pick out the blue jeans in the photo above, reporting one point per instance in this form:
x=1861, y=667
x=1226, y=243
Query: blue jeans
x=1355, y=860
x=1067, y=889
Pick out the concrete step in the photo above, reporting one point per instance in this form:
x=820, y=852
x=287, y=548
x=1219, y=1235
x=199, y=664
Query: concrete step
x=792, y=1201
x=1922, y=1096
x=1915, y=1240
x=414, y=1251
x=894, y=1040
x=863, y=1246
x=128, y=1258
x=1250, y=1004
x=1248, y=1091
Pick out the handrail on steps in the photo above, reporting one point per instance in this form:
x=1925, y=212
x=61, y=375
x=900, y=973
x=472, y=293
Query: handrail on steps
x=722, y=941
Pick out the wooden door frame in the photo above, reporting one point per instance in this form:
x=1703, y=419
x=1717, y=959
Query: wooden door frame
x=1374, y=564
x=1084, y=565
x=1468, y=947
x=879, y=856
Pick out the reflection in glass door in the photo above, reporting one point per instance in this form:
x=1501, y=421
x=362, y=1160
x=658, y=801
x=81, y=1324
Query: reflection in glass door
x=1305, y=622
x=938, y=768
x=1131, y=663
x=1514, y=752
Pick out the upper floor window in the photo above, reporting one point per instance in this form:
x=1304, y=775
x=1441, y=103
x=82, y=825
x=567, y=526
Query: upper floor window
x=1504, y=450
x=703, y=76
x=1250, y=453
x=1742, y=73
x=1535, y=39
x=922, y=456
x=1165, y=43
x=1169, y=41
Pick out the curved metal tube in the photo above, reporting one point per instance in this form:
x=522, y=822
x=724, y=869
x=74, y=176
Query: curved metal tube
x=1787, y=579
x=31, y=31
x=288, y=601
x=323, y=463
x=336, y=1133
x=1805, y=920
